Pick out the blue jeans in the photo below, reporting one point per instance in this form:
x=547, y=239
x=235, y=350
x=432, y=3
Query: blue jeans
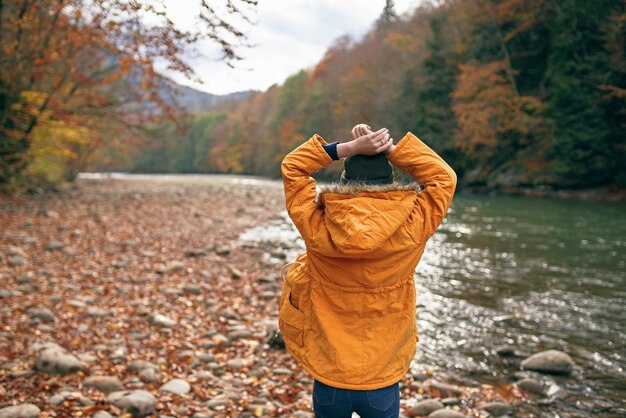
x=330, y=402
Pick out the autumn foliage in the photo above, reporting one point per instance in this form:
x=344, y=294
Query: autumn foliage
x=76, y=75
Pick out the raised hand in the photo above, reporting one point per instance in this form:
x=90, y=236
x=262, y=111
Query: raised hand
x=368, y=144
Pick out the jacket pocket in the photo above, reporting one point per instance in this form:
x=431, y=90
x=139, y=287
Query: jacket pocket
x=291, y=321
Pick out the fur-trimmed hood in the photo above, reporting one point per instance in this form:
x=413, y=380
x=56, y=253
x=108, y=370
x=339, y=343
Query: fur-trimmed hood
x=356, y=188
x=360, y=218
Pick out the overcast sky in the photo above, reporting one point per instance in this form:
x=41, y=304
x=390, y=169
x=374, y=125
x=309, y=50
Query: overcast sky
x=289, y=35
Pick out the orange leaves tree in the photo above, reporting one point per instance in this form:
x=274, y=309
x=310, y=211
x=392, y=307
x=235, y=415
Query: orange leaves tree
x=91, y=64
x=489, y=112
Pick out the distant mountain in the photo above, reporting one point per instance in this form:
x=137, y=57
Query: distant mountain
x=196, y=101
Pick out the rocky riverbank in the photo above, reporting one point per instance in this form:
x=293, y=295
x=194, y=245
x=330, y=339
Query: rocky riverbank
x=139, y=297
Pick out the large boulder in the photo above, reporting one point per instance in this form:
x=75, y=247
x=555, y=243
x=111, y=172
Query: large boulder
x=549, y=361
x=56, y=360
x=27, y=410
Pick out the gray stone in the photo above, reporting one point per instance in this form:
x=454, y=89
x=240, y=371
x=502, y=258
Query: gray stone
x=427, y=406
x=447, y=413
x=530, y=385
x=178, y=386
x=102, y=414
x=26, y=410
x=236, y=363
x=445, y=387
x=205, y=357
x=137, y=402
x=54, y=246
x=55, y=361
x=239, y=334
x=214, y=403
x=96, y=312
x=17, y=261
x=42, y=314
x=196, y=252
x=106, y=384
x=162, y=321
x=303, y=414
x=497, y=409
x=282, y=371
x=192, y=289
x=13, y=250
x=56, y=399
x=148, y=375
x=450, y=401
x=549, y=361
x=138, y=365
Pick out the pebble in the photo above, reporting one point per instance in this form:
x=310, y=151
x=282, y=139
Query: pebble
x=427, y=406
x=178, y=386
x=102, y=414
x=196, y=252
x=549, y=361
x=447, y=413
x=162, y=321
x=303, y=414
x=445, y=387
x=222, y=251
x=58, y=361
x=26, y=410
x=42, y=314
x=192, y=289
x=17, y=261
x=530, y=385
x=236, y=363
x=54, y=246
x=137, y=402
x=148, y=375
x=214, y=403
x=13, y=250
x=106, y=384
x=239, y=334
x=282, y=371
x=205, y=357
x=497, y=409
x=139, y=365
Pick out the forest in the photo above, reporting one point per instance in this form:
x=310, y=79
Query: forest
x=514, y=93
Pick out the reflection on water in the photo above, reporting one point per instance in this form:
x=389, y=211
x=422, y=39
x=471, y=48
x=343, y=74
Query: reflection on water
x=535, y=274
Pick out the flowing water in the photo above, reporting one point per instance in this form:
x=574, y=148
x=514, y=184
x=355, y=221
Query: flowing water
x=529, y=273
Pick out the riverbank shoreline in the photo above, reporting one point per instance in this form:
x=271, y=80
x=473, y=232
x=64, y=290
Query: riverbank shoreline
x=597, y=194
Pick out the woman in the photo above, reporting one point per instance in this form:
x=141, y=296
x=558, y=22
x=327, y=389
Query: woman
x=347, y=312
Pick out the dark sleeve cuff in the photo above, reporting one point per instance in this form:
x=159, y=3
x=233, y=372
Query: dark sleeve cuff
x=331, y=150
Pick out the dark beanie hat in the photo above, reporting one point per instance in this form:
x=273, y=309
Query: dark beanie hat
x=367, y=169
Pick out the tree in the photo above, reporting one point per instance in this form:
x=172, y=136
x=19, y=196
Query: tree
x=81, y=62
x=389, y=13
x=578, y=65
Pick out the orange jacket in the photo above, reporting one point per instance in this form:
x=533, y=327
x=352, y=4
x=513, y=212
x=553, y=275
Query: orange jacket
x=347, y=311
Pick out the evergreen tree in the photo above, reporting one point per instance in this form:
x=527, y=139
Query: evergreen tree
x=389, y=13
x=577, y=65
